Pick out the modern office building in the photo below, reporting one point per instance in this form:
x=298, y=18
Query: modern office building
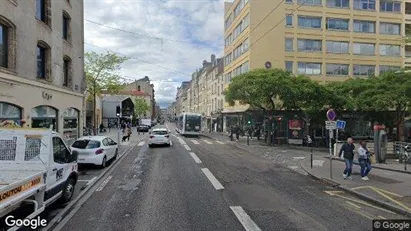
x=42, y=65
x=327, y=40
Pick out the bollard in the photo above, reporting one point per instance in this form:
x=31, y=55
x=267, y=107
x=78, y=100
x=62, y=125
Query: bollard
x=248, y=140
x=311, y=158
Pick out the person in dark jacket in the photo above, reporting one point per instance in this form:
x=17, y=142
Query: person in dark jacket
x=347, y=150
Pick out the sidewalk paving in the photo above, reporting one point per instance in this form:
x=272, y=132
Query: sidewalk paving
x=391, y=190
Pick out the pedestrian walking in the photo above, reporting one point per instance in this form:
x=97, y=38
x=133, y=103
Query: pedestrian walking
x=127, y=134
x=347, y=153
x=364, y=160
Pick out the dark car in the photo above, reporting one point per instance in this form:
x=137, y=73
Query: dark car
x=143, y=128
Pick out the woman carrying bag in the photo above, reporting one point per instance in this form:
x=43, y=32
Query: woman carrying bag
x=364, y=160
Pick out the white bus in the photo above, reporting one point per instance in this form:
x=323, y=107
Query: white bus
x=189, y=124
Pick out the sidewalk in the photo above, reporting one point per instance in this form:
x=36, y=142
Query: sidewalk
x=391, y=190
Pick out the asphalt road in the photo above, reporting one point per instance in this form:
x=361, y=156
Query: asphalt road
x=203, y=184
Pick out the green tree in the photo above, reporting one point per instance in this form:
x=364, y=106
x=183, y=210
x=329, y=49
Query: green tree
x=102, y=74
x=140, y=107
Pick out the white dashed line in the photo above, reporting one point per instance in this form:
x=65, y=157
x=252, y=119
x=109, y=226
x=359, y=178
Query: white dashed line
x=141, y=143
x=219, y=142
x=244, y=219
x=187, y=147
x=208, y=142
x=91, y=181
x=195, y=157
x=195, y=142
x=171, y=143
x=217, y=185
x=104, y=184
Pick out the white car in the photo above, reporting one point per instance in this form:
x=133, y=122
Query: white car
x=95, y=150
x=159, y=136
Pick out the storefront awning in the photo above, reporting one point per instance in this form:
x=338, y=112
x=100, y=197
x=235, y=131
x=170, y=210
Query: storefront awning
x=236, y=109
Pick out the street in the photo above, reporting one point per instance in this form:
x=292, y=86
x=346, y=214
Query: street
x=204, y=184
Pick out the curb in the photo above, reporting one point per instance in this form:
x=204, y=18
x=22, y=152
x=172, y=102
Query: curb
x=376, y=167
x=61, y=215
x=334, y=184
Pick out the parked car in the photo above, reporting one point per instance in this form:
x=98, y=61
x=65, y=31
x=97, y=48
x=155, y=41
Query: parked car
x=95, y=150
x=159, y=136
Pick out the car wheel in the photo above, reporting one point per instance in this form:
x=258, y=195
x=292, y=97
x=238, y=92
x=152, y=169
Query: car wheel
x=68, y=191
x=104, y=163
x=116, y=154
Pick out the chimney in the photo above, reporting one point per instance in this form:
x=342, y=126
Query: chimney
x=204, y=63
x=213, y=58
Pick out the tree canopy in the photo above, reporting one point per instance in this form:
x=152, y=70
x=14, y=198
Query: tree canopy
x=102, y=72
x=277, y=89
x=140, y=107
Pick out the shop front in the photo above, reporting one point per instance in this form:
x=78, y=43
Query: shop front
x=10, y=115
x=70, y=125
x=44, y=117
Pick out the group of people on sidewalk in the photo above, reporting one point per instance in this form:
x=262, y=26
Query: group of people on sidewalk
x=347, y=152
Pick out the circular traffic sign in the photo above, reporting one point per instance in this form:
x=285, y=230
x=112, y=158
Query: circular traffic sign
x=331, y=115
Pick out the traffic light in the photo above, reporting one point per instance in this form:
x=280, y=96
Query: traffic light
x=118, y=110
x=249, y=122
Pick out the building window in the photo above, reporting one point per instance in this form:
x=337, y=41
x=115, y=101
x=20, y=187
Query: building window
x=41, y=10
x=364, y=26
x=384, y=69
x=43, y=61
x=309, y=22
x=338, y=3
x=66, y=72
x=309, y=68
x=4, y=46
x=363, y=70
x=66, y=27
x=364, y=49
x=309, y=45
x=310, y=2
x=390, y=6
x=289, y=1
x=390, y=28
x=289, y=65
x=364, y=4
x=338, y=24
x=138, y=88
x=289, y=44
x=337, y=47
x=337, y=69
x=289, y=20
x=390, y=50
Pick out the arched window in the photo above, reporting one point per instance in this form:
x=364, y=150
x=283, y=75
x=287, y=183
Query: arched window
x=10, y=115
x=7, y=44
x=43, y=61
x=44, y=117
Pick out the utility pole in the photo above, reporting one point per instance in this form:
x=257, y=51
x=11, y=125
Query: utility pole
x=94, y=107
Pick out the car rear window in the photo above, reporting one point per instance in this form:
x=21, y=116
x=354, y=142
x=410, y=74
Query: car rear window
x=160, y=132
x=86, y=144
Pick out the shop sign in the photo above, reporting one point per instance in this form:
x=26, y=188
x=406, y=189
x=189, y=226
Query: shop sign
x=47, y=96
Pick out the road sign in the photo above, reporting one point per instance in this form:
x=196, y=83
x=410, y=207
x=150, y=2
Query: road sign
x=331, y=133
x=341, y=124
x=331, y=115
x=330, y=125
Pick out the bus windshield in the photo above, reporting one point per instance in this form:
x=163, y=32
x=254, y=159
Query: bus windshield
x=193, y=123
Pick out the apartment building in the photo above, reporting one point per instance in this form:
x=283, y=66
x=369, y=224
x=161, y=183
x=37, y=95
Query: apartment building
x=327, y=40
x=143, y=88
x=41, y=65
x=215, y=93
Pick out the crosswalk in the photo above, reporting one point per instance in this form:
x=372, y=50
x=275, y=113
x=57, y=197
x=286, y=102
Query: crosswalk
x=205, y=141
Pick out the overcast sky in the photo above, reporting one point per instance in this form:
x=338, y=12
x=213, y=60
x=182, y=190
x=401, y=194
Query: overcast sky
x=171, y=38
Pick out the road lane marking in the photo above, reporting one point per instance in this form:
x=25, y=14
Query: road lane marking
x=187, y=147
x=217, y=185
x=104, y=183
x=361, y=213
x=337, y=193
x=141, y=143
x=208, y=142
x=171, y=143
x=195, y=142
x=83, y=180
x=381, y=217
x=219, y=142
x=352, y=204
x=195, y=157
x=293, y=167
x=91, y=181
x=244, y=218
x=299, y=158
